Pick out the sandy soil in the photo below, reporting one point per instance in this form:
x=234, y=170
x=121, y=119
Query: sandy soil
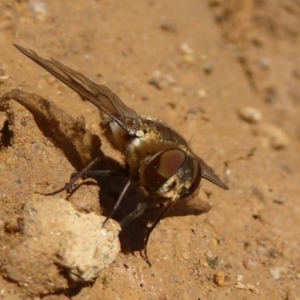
x=199, y=66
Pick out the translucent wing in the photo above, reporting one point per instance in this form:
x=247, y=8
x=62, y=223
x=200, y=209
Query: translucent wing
x=209, y=174
x=101, y=96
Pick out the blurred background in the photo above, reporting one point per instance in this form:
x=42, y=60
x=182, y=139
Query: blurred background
x=223, y=73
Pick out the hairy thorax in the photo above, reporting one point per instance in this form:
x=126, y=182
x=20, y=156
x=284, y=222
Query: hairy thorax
x=157, y=136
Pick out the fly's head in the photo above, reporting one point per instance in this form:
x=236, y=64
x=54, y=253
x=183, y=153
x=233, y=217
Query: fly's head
x=171, y=174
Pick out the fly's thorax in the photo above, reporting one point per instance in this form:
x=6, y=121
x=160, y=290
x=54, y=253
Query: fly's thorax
x=157, y=137
x=121, y=136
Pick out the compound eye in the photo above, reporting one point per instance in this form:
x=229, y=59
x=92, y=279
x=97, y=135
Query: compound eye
x=162, y=167
x=196, y=178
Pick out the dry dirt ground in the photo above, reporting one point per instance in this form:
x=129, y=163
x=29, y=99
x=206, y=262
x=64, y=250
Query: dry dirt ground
x=199, y=66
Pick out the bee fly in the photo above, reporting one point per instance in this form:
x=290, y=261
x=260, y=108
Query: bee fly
x=157, y=157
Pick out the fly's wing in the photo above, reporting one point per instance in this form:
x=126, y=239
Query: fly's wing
x=101, y=96
x=209, y=174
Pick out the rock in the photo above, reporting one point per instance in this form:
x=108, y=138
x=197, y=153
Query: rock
x=59, y=246
x=208, y=68
x=276, y=272
x=186, y=49
x=220, y=278
x=169, y=79
x=39, y=9
x=188, y=56
x=250, y=114
x=202, y=93
x=272, y=135
x=264, y=63
x=189, y=59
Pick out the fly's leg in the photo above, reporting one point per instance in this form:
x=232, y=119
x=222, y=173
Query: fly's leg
x=125, y=189
x=98, y=174
x=86, y=173
x=150, y=229
x=74, y=177
x=161, y=205
x=142, y=206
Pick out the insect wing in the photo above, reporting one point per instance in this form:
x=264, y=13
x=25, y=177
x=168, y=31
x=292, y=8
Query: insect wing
x=209, y=174
x=101, y=96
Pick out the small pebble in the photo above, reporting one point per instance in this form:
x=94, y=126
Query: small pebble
x=155, y=83
x=192, y=111
x=51, y=80
x=276, y=272
x=240, y=285
x=250, y=114
x=168, y=27
x=169, y=79
x=3, y=78
x=239, y=277
x=157, y=74
x=208, y=68
x=189, y=59
x=177, y=89
x=186, y=49
x=274, y=136
x=162, y=78
x=202, y=94
x=213, y=262
x=220, y=278
x=264, y=63
x=39, y=8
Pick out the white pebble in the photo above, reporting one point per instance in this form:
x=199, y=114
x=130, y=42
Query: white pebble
x=189, y=59
x=186, y=49
x=273, y=135
x=39, y=8
x=169, y=79
x=157, y=74
x=250, y=114
x=202, y=93
x=276, y=272
x=264, y=63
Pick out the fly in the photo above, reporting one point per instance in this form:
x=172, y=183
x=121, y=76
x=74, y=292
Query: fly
x=158, y=158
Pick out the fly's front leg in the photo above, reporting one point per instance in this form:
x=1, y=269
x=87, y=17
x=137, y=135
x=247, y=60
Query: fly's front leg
x=125, y=189
x=140, y=209
x=150, y=229
x=74, y=177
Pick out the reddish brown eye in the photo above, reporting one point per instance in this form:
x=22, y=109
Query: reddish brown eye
x=161, y=167
x=170, y=162
x=196, y=178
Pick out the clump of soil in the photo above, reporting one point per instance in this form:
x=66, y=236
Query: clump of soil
x=47, y=246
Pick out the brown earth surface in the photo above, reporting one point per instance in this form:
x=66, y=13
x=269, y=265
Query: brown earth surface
x=199, y=66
